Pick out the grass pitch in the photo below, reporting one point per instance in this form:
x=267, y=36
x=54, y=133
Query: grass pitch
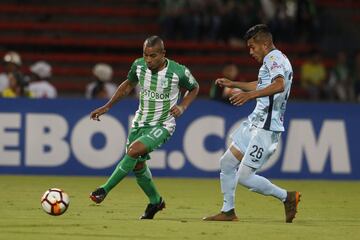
x=328, y=210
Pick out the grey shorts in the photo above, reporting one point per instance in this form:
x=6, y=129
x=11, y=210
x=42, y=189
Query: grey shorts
x=256, y=144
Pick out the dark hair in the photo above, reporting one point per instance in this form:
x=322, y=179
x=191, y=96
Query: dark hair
x=153, y=41
x=260, y=30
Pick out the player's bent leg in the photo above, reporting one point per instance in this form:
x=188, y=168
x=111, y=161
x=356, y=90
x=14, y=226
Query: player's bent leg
x=126, y=165
x=121, y=171
x=246, y=176
x=256, y=183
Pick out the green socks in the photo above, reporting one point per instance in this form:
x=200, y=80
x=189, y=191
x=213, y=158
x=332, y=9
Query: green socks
x=126, y=165
x=144, y=179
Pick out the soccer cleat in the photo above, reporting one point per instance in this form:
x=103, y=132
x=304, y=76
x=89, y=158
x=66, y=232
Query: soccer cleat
x=290, y=204
x=223, y=216
x=98, y=195
x=152, y=209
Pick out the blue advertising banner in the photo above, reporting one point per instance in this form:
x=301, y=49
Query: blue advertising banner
x=57, y=137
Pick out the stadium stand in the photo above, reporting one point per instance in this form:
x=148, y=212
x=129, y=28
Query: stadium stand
x=74, y=36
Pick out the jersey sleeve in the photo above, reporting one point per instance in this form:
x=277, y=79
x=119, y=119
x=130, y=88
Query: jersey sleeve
x=187, y=80
x=132, y=77
x=275, y=65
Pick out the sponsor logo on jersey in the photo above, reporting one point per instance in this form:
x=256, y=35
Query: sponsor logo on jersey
x=151, y=95
x=275, y=65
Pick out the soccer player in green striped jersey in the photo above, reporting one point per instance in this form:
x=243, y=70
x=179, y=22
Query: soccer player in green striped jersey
x=160, y=80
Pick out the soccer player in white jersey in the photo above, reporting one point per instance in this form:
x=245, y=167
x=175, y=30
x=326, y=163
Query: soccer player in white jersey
x=256, y=139
x=160, y=80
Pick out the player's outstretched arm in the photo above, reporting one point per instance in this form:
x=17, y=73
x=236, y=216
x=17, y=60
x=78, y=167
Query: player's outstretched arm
x=245, y=86
x=276, y=86
x=123, y=90
x=178, y=110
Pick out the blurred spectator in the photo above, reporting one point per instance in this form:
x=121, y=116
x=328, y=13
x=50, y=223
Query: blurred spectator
x=12, y=63
x=227, y=20
x=280, y=18
x=231, y=26
x=307, y=23
x=339, y=85
x=237, y=17
x=356, y=76
x=39, y=86
x=313, y=76
x=190, y=19
x=231, y=72
x=18, y=86
x=101, y=87
x=171, y=17
x=209, y=18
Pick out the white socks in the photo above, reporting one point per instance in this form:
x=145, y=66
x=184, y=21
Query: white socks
x=228, y=166
x=246, y=176
x=230, y=175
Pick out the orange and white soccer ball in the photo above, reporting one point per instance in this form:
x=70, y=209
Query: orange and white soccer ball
x=55, y=201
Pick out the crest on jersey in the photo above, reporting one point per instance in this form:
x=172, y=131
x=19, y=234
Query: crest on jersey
x=164, y=82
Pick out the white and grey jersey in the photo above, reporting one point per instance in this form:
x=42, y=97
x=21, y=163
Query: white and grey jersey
x=269, y=111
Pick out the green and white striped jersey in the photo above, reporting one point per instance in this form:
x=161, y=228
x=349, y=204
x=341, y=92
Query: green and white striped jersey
x=159, y=92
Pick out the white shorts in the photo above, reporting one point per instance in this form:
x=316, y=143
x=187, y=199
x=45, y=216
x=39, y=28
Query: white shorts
x=256, y=144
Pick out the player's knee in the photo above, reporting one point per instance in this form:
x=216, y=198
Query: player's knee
x=228, y=163
x=133, y=152
x=136, y=150
x=224, y=164
x=222, y=161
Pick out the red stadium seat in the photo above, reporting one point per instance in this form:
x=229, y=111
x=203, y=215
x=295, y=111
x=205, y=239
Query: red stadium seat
x=76, y=11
